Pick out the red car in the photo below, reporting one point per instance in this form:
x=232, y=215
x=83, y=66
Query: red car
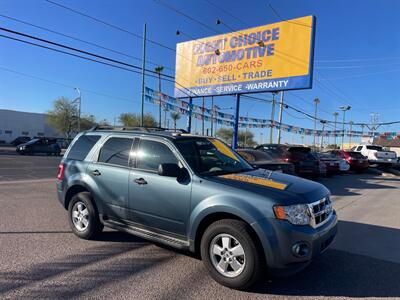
x=356, y=160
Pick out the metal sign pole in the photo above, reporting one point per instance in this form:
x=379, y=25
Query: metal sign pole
x=236, y=125
x=189, y=120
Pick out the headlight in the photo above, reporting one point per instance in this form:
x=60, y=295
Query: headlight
x=296, y=214
x=22, y=148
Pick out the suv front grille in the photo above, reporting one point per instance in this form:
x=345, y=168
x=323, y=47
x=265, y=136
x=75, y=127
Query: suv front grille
x=320, y=212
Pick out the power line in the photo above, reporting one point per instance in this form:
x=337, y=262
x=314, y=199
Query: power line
x=81, y=40
x=357, y=60
x=363, y=75
x=82, y=51
x=227, y=12
x=110, y=25
x=67, y=85
x=179, y=12
x=356, y=66
x=284, y=20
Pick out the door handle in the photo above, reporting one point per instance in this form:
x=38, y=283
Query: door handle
x=96, y=173
x=140, y=181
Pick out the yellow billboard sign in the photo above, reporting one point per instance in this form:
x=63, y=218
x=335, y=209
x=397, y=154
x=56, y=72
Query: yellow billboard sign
x=272, y=57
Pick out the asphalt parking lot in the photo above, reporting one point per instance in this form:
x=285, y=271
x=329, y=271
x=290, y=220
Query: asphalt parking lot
x=41, y=258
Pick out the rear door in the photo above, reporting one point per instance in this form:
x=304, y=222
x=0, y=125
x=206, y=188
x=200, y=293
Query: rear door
x=110, y=172
x=159, y=202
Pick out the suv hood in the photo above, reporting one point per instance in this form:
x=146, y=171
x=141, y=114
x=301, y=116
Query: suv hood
x=283, y=188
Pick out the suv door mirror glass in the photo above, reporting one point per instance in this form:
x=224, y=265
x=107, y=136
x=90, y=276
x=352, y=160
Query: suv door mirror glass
x=169, y=170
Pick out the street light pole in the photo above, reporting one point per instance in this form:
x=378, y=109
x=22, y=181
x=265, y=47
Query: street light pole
x=271, y=131
x=351, y=128
x=143, y=68
x=316, y=101
x=344, y=109
x=323, y=131
x=335, y=115
x=79, y=108
x=280, y=117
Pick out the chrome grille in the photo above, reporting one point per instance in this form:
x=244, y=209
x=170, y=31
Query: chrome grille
x=320, y=212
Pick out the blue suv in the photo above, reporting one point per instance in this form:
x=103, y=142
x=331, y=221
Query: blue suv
x=195, y=193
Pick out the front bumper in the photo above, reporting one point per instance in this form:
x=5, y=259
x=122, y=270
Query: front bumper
x=280, y=237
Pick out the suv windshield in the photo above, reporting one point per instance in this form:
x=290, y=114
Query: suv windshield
x=209, y=156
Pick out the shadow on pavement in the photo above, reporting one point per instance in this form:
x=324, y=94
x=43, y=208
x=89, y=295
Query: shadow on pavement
x=86, y=270
x=344, y=272
x=339, y=186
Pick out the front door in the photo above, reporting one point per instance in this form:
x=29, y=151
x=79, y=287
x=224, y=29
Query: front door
x=156, y=201
x=111, y=175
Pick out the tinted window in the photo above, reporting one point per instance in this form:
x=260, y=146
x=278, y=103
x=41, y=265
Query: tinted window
x=377, y=148
x=116, y=151
x=82, y=146
x=259, y=155
x=151, y=154
x=247, y=156
x=356, y=154
x=359, y=148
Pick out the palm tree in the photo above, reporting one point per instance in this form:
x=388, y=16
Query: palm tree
x=158, y=70
x=175, y=116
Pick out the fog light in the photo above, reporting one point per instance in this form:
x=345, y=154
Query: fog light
x=300, y=249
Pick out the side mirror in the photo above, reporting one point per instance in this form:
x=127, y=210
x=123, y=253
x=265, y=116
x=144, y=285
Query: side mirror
x=169, y=170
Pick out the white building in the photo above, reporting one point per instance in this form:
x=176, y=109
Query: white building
x=18, y=123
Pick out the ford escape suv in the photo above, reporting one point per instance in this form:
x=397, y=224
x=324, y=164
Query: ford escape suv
x=197, y=194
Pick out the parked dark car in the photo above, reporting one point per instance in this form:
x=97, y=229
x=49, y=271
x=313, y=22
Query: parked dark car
x=356, y=160
x=332, y=164
x=20, y=140
x=42, y=146
x=260, y=159
x=301, y=157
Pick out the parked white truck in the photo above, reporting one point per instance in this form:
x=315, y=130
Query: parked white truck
x=376, y=154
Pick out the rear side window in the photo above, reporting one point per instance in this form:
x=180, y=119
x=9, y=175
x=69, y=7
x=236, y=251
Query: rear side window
x=377, y=148
x=151, y=154
x=82, y=146
x=115, y=151
x=359, y=148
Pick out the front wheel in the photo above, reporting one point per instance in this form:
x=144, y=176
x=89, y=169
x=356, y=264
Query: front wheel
x=83, y=217
x=230, y=254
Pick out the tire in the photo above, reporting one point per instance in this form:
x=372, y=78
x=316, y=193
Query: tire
x=252, y=261
x=82, y=205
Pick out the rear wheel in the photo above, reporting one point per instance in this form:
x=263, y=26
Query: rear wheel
x=83, y=216
x=230, y=254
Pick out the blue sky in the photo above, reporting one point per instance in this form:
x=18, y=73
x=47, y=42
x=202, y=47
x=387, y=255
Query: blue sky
x=357, y=55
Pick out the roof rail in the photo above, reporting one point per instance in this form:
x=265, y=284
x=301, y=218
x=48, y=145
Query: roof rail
x=134, y=128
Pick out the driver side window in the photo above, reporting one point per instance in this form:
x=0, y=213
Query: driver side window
x=152, y=153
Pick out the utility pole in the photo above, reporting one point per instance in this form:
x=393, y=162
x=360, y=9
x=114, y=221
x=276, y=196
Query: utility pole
x=143, y=68
x=344, y=109
x=202, y=118
x=280, y=117
x=261, y=138
x=316, y=101
x=335, y=115
x=212, y=116
x=323, y=131
x=351, y=128
x=271, y=131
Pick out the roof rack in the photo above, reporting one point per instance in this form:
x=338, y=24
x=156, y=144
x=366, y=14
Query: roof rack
x=135, y=128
